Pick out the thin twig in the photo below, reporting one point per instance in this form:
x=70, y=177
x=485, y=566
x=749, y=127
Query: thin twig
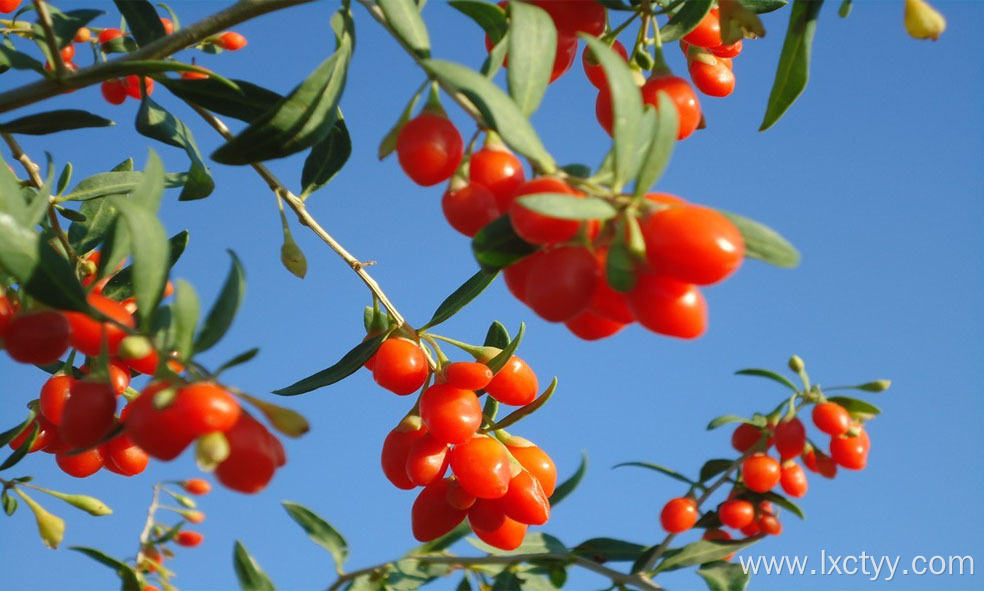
x=49, y=38
x=163, y=47
x=617, y=577
x=149, y=524
x=297, y=205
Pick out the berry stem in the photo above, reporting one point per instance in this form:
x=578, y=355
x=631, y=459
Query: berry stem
x=149, y=524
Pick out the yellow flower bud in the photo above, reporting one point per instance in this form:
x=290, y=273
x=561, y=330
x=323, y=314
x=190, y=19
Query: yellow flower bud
x=922, y=21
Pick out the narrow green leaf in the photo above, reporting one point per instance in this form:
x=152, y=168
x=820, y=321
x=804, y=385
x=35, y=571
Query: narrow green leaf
x=685, y=20
x=763, y=6
x=620, y=267
x=771, y=375
x=496, y=245
x=17, y=60
x=727, y=420
x=794, y=62
x=320, y=531
x=498, y=111
x=21, y=451
x=712, y=468
x=497, y=336
x=64, y=178
x=404, y=17
x=142, y=19
x=724, y=576
x=524, y=411
x=327, y=157
x=532, y=43
x=661, y=146
x=388, y=143
x=131, y=582
x=626, y=108
x=568, y=207
x=157, y=123
x=238, y=359
x=565, y=488
x=345, y=367
x=500, y=360
x=785, y=503
x=701, y=552
x=251, y=576
x=491, y=17
x=247, y=103
x=54, y=121
x=185, y=310
x=42, y=273
x=150, y=256
x=856, y=407
x=103, y=184
x=461, y=297
x=609, y=550
x=661, y=469
x=224, y=309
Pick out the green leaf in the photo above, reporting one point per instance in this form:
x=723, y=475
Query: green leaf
x=724, y=576
x=9, y=503
x=568, y=207
x=120, y=287
x=794, y=62
x=685, y=20
x=247, y=103
x=388, y=143
x=620, y=267
x=238, y=360
x=103, y=184
x=64, y=178
x=661, y=147
x=346, y=366
x=224, y=309
x=301, y=119
x=763, y=6
x=251, y=576
x=609, y=550
x=42, y=273
x=701, y=552
x=661, y=469
x=490, y=17
x=150, y=256
x=496, y=245
x=320, y=531
x=565, y=488
x=327, y=157
x=497, y=336
x=496, y=58
x=523, y=411
x=501, y=358
x=157, y=123
x=626, y=108
x=785, y=503
x=54, y=121
x=185, y=311
x=532, y=43
x=17, y=60
x=142, y=18
x=729, y=419
x=579, y=170
x=13, y=432
x=404, y=17
x=771, y=375
x=131, y=582
x=461, y=297
x=21, y=451
x=499, y=113
x=712, y=468
x=857, y=407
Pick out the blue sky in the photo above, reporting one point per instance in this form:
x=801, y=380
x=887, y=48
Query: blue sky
x=874, y=174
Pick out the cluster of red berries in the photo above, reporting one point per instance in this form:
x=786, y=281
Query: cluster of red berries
x=77, y=407
x=708, y=59
x=500, y=482
x=744, y=510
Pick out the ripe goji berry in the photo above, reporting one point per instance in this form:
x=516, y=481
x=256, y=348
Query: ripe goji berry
x=37, y=337
x=125, y=456
x=88, y=333
x=252, y=456
x=82, y=464
x=427, y=460
x=831, y=418
x=46, y=435
x=793, y=479
x=727, y=51
x=684, y=97
x=768, y=524
x=819, y=462
x=113, y=91
x=515, y=384
x=736, y=513
x=790, y=438
x=6, y=313
x=591, y=327
x=231, y=41
x=761, y=473
x=457, y=496
x=468, y=375
x=535, y=460
x=562, y=282
x=89, y=414
x=507, y=536
x=400, y=366
x=133, y=87
x=469, y=208
x=451, y=415
x=571, y=18
x=745, y=437
x=849, y=451
x=714, y=79
x=517, y=275
x=108, y=35
x=593, y=70
x=497, y=169
x=54, y=394
x=718, y=535
x=396, y=449
x=188, y=539
x=429, y=149
x=196, y=486
x=168, y=25
x=525, y=500
x=679, y=515
x=707, y=33
x=482, y=467
x=692, y=243
x=668, y=306
x=431, y=516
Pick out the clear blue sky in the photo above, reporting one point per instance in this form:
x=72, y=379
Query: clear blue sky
x=875, y=175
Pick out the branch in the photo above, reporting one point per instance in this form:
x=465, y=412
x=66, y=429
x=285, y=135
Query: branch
x=49, y=38
x=638, y=581
x=163, y=47
x=297, y=205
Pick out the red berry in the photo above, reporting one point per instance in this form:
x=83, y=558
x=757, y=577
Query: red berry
x=108, y=35
x=605, y=301
x=768, y=524
x=708, y=31
x=400, y=366
x=562, y=283
x=125, y=456
x=793, y=479
x=515, y=384
x=82, y=35
x=67, y=52
x=693, y=244
x=482, y=467
x=458, y=497
x=736, y=513
x=6, y=313
x=564, y=57
x=537, y=228
x=592, y=327
x=37, y=337
x=469, y=208
x=427, y=460
x=679, y=515
x=727, y=51
x=468, y=375
x=81, y=464
x=47, y=434
x=760, y=473
x=451, y=415
x=396, y=448
x=168, y=25
x=688, y=107
x=88, y=333
x=715, y=79
x=431, y=515
x=429, y=148
x=745, y=437
x=54, y=394
x=535, y=460
x=8, y=6
x=572, y=18
x=231, y=41
x=790, y=438
x=507, y=536
x=254, y=454
x=497, y=169
x=113, y=91
x=188, y=539
x=850, y=452
x=525, y=501
x=668, y=306
x=517, y=275
x=831, y=418
x=486, y=514
x=89, y=414
x=196, y=486
x=817, y=461
x=594, y=71
x=134, y=89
